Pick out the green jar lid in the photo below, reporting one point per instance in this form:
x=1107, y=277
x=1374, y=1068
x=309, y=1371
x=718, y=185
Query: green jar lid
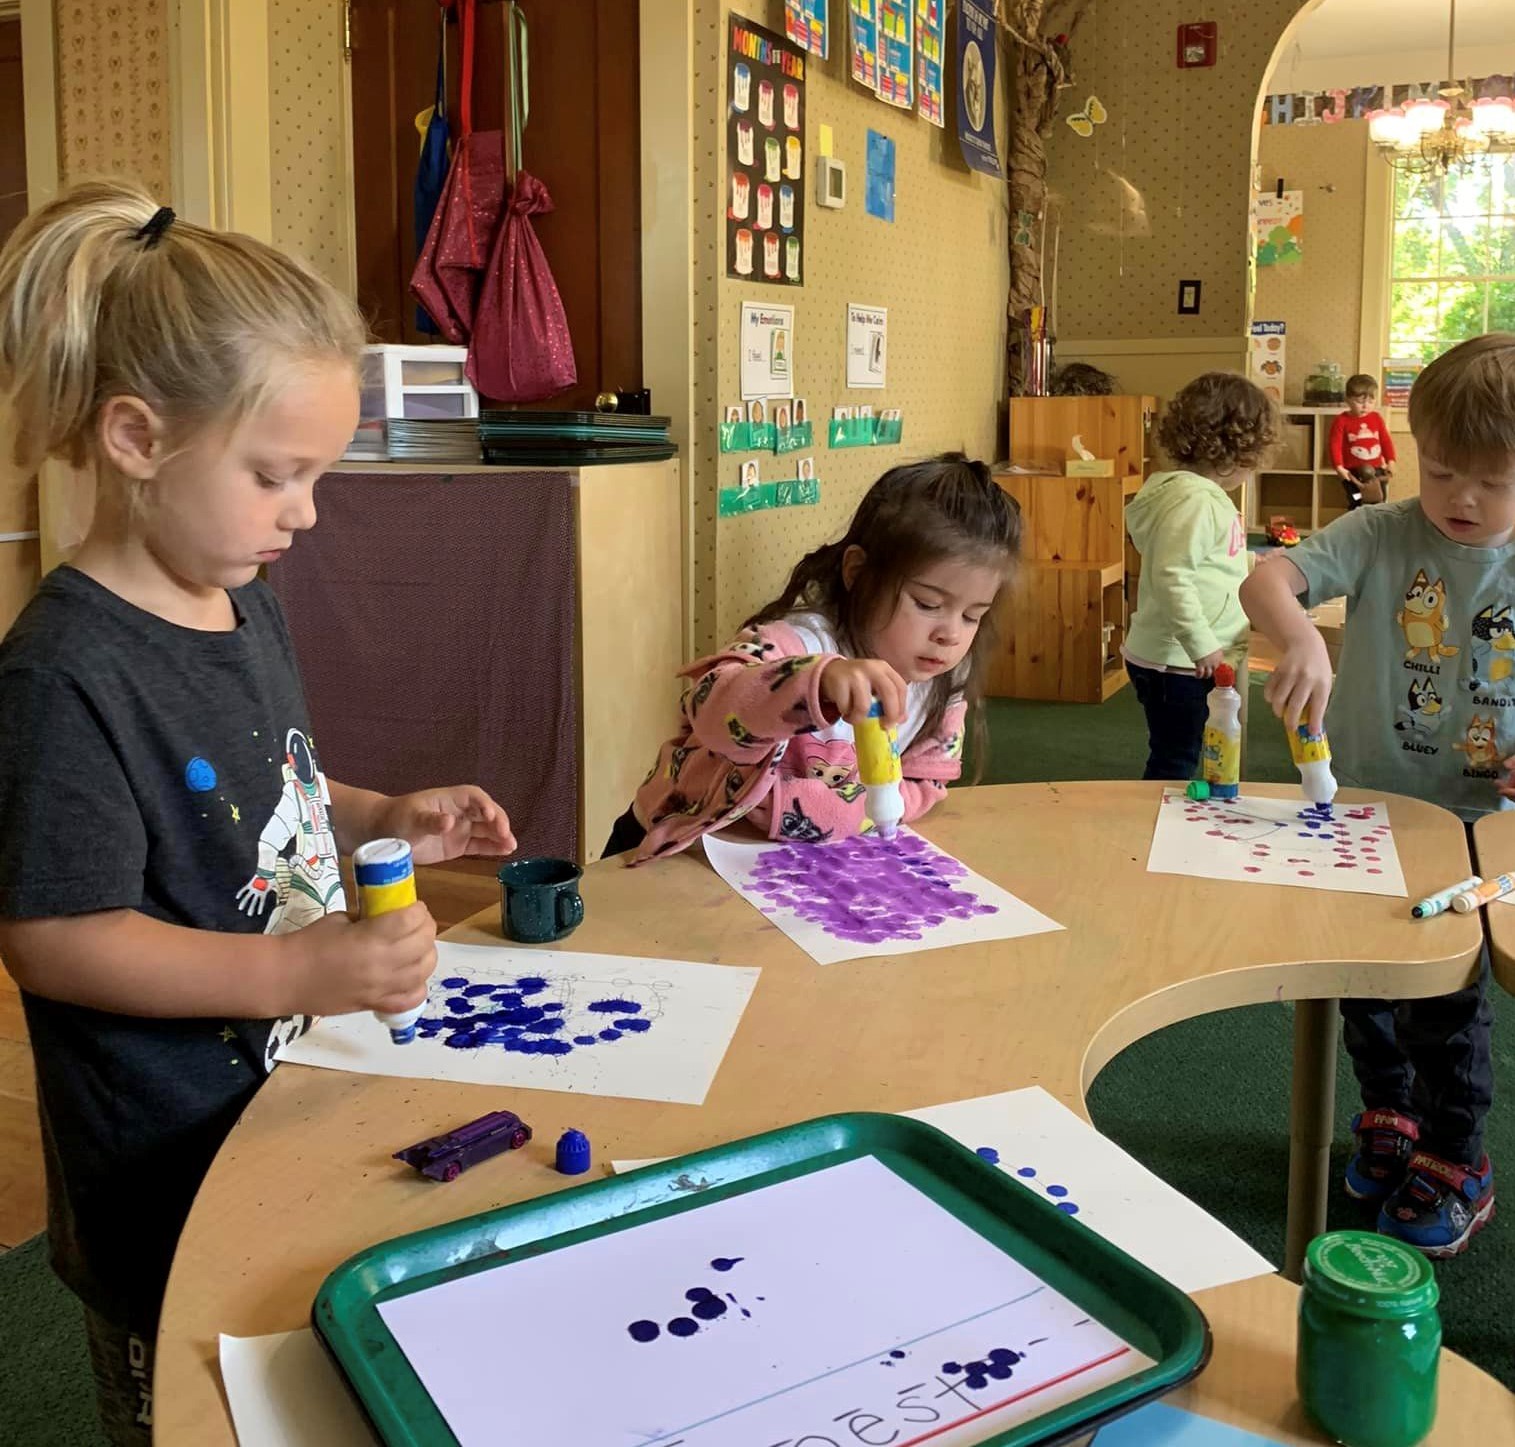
x=1369, y=1274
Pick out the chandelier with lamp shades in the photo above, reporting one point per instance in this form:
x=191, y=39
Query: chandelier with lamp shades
x=1432, y=135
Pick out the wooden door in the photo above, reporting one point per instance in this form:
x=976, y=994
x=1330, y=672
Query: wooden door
x=12, y=130
x=582, y=141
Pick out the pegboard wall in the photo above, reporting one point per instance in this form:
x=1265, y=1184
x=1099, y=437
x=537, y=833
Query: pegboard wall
x=941, y=268
x=1320, y=296
x=113, y=92
x=1159, y=192
x=312, y=202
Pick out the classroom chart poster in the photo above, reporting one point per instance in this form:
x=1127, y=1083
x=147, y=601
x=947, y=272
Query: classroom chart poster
x=930, y=45
x=1399, y=374
x=896, y=53
x=878, y=190
x=759, y=1319
x=977, y=43
x=867, y=345
x=866, y=897
x=1278, y=222
x=807, y=25
x=767, y=368
x=765, y=156
x=862, y=42
x=1343, y=848
x=552, y=1020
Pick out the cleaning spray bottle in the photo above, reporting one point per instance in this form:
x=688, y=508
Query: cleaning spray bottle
x=878, y=766
x=1220, y=752
x=1312, y=756
x=386, y=879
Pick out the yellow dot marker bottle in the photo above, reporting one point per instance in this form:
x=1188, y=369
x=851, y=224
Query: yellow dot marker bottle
x=878, y=766
x=386, y=877
x=1312, y=757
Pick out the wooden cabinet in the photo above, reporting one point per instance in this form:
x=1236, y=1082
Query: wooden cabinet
x=1063, y=620
x=1299, y=482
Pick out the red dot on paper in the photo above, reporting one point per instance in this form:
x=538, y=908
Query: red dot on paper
x=1307, y=874
x=1251, y=869
x=1375, y=871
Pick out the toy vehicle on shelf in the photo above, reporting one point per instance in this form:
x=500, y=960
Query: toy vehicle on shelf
x=1282, y=533
x=445, y=1157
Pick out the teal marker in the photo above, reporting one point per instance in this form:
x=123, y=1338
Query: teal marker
x=1441, y=901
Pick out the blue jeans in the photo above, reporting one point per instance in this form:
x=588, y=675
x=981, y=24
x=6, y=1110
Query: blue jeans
x=1176, y=705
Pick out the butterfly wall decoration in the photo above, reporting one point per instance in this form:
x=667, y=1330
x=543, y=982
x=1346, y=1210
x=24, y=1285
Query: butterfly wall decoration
x=1093, y=114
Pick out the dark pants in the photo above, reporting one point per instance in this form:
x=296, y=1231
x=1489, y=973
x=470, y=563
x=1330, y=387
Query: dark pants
x=626, y=834
x=1175, y=705
x=1429, y=1060
x=122, y=1359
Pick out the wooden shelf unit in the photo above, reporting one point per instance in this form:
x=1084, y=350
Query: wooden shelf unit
x=1301, y=483
x=1063, y=620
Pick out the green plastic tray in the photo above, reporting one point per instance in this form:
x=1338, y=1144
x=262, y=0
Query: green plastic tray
x=1117, y=1291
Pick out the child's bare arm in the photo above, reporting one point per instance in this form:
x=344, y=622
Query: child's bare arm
x=1301, y=683
x=127, y=963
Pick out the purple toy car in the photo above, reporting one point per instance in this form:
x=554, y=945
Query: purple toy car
x=445, y=1157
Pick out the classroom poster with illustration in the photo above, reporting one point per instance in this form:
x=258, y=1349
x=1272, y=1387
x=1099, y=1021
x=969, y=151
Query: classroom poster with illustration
x=765, y=156
x=806, y=23
x=930, y=46
x=977, y=42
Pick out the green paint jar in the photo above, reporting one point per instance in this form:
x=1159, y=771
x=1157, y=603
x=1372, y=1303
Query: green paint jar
x=1369, y=1340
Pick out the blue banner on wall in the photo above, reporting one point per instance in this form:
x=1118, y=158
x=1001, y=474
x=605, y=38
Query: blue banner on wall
x=977, y=36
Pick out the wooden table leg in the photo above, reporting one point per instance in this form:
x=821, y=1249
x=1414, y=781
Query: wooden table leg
x=1312, y=1120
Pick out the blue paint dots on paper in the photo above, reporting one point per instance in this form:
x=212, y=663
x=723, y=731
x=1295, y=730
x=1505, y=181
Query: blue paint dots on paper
x=997, y=1365
x=989, y=1154
x=1058, y=1193
x=200, y=775
x=683, y=1326
x=725, y=1263
x=644, y=1331
x=516, y=1017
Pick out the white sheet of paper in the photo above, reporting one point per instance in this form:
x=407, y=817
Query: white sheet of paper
x=284, y=1392
x=867, y=345
x=1278, y=841
x=1116, y=1196
x=862, y=897
x=845, y=1288
x=542, y=1020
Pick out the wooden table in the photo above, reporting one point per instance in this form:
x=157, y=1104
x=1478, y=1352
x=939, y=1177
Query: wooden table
x=305, y=1179
x=1494, y=844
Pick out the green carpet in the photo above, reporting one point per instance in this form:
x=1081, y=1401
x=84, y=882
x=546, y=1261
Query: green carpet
x=1232, y=1157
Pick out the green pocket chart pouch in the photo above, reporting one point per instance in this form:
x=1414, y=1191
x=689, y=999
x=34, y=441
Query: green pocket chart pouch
x=795, y=439
x=761, y=436
x=851, y=432
x=736, y=500
x=736, y=437
x=797, y=492
x=889, y=431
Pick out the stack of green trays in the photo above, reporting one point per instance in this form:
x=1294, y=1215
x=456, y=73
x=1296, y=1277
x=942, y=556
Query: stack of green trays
x=571, y=439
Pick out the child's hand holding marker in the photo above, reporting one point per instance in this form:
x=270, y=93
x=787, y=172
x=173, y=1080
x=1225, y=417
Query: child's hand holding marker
x=851, y=684
x=339, y=965
x=1300, y=687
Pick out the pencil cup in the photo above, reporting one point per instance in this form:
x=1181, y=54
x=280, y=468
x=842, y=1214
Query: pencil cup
x=540, y=900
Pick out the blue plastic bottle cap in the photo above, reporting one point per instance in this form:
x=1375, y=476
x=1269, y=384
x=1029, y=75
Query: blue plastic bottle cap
x=573, y=1153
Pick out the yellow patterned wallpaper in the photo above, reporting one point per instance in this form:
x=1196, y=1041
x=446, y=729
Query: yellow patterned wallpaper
x=1159, y=192
x=941, y=269
x=312, y=206
x=1320, y=296
x=113, y=95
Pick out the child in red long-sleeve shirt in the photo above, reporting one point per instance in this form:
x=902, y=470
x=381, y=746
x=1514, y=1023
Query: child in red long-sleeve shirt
x=895, y=611
x=1362, y=452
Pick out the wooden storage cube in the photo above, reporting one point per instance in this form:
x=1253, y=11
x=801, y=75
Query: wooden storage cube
x=1283, y=493
x=1052, y=639
x=1292, y=452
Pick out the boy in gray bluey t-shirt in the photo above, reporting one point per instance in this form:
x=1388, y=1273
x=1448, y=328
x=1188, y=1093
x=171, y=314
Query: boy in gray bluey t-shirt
x=1423, y=704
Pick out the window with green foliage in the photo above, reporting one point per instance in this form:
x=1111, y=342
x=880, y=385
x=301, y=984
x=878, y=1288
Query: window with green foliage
x=1454, y=257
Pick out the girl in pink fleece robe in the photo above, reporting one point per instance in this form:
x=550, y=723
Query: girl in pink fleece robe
x=896, y=610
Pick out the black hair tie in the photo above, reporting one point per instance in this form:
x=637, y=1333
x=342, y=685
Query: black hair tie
x=152, y=231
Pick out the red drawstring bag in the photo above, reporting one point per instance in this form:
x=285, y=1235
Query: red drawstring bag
x=449, y=269
x=521, y=350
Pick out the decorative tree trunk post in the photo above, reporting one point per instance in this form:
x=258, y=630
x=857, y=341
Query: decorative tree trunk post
x=1040, y=31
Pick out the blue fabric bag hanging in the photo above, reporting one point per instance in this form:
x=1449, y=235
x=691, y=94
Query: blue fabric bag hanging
x=431, y=172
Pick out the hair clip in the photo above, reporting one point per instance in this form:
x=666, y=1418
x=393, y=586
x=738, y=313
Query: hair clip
x=152, y=231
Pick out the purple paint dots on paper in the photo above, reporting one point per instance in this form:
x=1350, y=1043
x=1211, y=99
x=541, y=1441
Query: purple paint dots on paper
x=997, y=1365
x=725, y=1263
x=865, y=890
x=683, y=1326
x=643, y=1331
